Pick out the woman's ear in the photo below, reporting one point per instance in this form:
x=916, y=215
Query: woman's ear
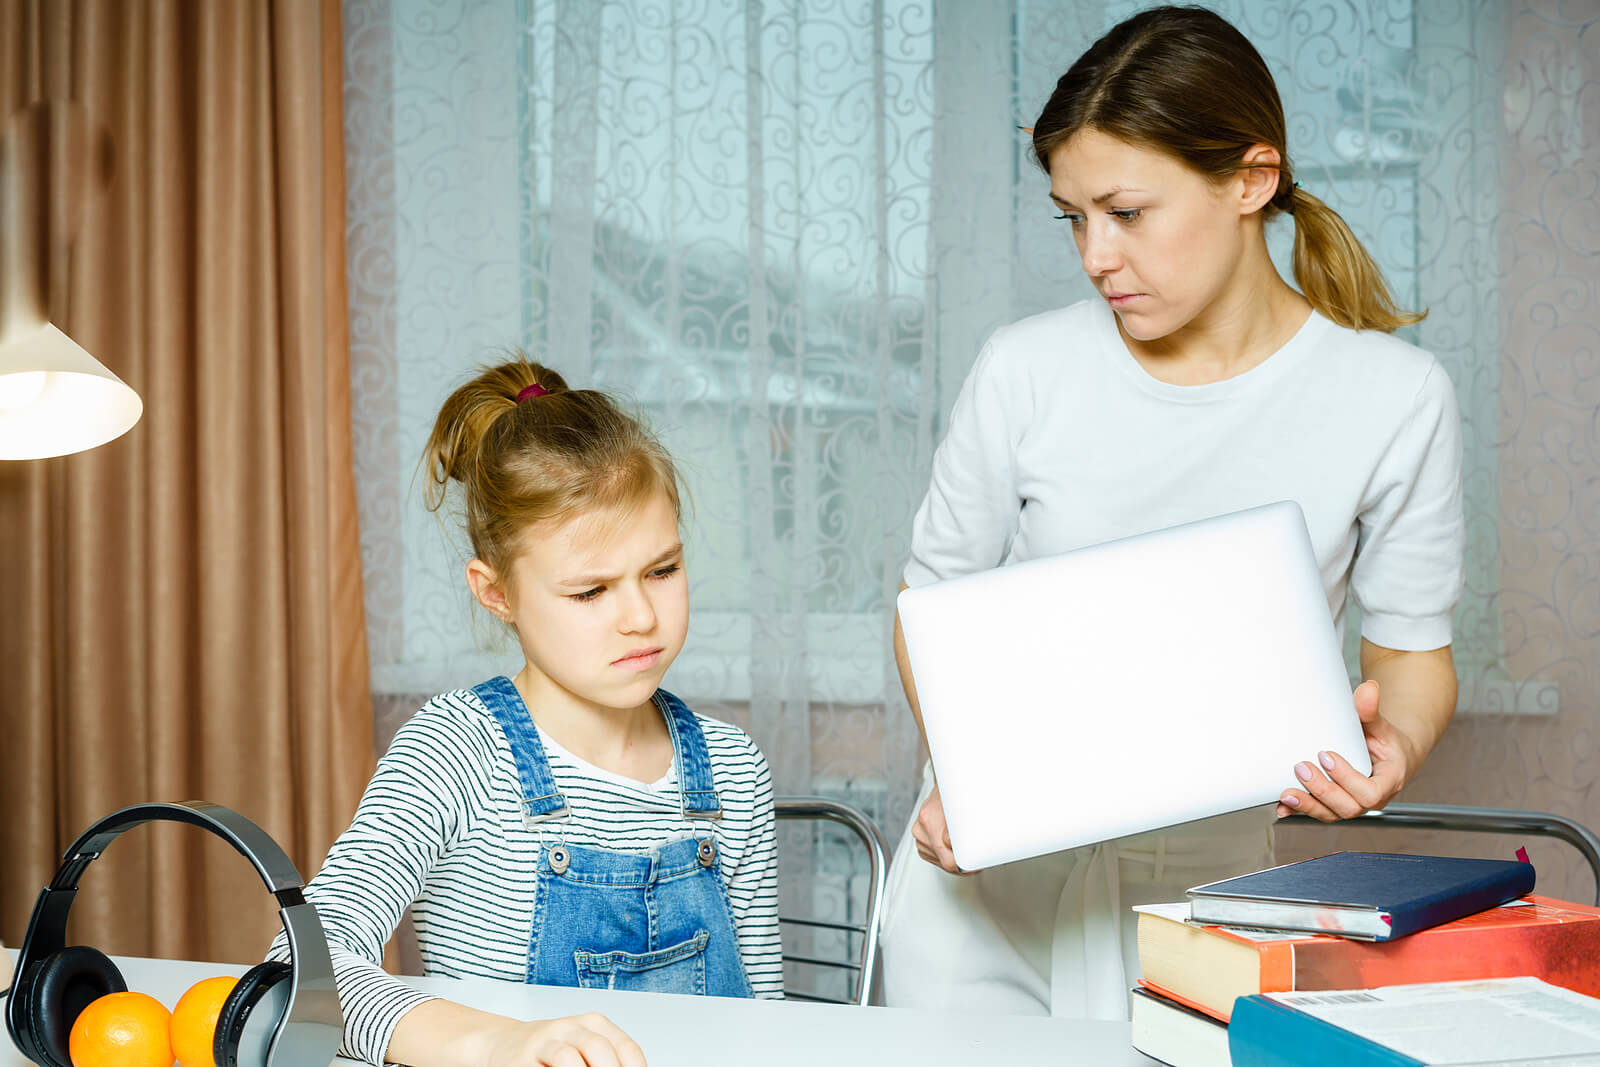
x=1259, y=177
x=488, y=590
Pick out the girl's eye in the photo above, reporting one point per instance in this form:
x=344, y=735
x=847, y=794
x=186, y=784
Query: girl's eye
x=665, y=572
x=588, y=594
x=1129, y=214
x=1070, y=217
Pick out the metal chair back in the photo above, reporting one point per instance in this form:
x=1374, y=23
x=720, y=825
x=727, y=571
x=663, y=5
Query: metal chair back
x=1485, y=821
x=859, y=931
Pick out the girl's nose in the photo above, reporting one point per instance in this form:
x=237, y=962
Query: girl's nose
x=638, y=613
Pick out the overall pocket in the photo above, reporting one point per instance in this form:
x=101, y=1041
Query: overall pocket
x=678, y=969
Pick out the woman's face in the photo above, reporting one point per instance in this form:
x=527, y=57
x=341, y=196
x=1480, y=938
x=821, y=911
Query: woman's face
x=1159, y=241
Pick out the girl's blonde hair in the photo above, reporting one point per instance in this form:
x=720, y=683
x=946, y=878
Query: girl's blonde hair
x=548, y=456
x=1184, y=81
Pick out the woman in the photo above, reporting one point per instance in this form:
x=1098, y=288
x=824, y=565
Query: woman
x=1198, y=383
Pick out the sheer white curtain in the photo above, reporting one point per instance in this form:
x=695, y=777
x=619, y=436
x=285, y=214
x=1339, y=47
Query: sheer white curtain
x=783, y=229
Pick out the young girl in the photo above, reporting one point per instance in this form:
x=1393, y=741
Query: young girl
x=1198, y=383
x=575, y=825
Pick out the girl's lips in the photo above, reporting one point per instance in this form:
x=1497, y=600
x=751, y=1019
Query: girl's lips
x=641, y=660
x=1123, y=299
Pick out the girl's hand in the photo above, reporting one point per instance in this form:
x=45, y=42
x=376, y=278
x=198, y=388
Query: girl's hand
x=1336, y=790
x=589, y=1040
x=932, y=835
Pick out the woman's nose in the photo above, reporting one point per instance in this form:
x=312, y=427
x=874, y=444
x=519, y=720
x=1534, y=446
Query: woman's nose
x=1099, y=252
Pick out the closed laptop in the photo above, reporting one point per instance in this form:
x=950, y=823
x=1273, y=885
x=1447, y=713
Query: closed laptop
x=1127, y=686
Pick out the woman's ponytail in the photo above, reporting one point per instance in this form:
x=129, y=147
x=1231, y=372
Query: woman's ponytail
x=1337, y=275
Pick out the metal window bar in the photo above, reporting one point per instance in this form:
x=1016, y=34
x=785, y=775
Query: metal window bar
x=877, y=850
x=1487, y=821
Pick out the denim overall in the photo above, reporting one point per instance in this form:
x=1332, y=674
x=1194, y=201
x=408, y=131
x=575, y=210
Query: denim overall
x=614, y=920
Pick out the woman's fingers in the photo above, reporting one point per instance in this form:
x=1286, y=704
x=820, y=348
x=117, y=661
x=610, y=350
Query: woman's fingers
x=1322, y=798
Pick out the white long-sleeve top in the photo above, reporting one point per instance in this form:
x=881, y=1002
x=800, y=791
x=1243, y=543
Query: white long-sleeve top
x=440, y=831
x=1060, y=439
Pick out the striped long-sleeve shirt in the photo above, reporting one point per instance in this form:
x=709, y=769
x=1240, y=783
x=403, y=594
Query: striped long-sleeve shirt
x=440, y=830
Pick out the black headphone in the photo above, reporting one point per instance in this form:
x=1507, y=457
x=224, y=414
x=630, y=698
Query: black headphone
x=279, y=1014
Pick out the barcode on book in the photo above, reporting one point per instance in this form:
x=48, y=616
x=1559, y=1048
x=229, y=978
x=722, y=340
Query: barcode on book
x=1335, y=998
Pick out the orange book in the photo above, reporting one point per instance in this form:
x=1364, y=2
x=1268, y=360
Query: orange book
x=1194, y=1005
x=1208, y=966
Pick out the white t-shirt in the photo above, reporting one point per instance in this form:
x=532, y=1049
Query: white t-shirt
x=1060, y=439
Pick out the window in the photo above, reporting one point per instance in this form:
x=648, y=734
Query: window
x=782, y=231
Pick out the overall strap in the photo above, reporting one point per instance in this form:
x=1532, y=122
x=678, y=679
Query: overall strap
x=540, y=798
x=695, y=780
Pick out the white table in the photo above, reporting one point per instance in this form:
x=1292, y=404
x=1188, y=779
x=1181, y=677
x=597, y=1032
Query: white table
x=678, y=1031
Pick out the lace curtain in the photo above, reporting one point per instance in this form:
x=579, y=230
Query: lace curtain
x=782, y=230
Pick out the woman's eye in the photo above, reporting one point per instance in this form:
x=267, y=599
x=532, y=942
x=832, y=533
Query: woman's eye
x=664, y=572
x=1129, y=214
x=1070, y=217
x=588, y=594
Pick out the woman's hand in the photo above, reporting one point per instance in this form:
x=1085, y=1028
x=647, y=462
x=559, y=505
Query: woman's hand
x=932, y=835
x=1336, y=790
x=589, y=1040
x=1420, y=697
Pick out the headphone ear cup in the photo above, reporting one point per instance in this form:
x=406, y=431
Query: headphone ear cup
x=65, y=983
x=250, y=1016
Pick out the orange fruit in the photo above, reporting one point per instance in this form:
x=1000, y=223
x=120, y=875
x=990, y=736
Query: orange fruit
x=194, y=1020
x=122, y=1030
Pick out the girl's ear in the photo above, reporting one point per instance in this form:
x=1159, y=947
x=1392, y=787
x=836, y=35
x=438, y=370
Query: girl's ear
x=488, y=590
x=1259, y=177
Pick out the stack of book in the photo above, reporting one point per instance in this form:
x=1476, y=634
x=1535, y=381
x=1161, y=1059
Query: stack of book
x=1340, y=923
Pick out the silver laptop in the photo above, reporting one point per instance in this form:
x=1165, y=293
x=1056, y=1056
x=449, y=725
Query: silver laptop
x=1127, y=686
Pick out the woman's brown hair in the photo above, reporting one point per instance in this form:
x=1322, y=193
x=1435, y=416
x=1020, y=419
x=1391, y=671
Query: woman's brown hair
x=1184, y=81
x=528, y=450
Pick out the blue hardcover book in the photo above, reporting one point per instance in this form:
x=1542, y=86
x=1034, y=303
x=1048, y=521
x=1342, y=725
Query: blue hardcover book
x=1372, y=896
x=1263, y=1032
x=1501, y=1021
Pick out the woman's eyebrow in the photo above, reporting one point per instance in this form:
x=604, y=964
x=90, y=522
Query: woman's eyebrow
x=1102, y=198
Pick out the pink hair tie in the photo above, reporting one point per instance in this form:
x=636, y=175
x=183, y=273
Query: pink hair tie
x=531, y=391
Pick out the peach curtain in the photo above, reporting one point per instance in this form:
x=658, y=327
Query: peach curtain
x=181, y=609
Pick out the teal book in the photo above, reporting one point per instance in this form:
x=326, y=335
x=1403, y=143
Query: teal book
x=1503, y=1021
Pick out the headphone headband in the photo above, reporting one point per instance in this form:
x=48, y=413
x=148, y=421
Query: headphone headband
x=251, y=842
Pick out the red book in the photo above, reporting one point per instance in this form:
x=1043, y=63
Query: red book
x=1208, y=966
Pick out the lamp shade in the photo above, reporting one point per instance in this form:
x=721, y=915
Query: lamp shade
x=55, y=398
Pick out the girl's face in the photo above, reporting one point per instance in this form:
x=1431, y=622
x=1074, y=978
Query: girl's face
x=601, y=602
x=1159, y=241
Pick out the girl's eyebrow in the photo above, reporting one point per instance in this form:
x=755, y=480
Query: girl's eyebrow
x=588, y=581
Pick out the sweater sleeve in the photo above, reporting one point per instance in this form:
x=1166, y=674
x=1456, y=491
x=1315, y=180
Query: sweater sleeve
x=411, y=810
x=969, y=516
x=753, y=890
x=1409, y=567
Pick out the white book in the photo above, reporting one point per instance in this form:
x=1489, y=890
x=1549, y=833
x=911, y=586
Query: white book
x=1175, y=1034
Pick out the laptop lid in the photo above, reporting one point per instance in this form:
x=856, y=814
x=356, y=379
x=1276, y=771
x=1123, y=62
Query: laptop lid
x=1127, y=686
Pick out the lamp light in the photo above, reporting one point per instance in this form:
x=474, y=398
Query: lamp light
x=55, y=398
